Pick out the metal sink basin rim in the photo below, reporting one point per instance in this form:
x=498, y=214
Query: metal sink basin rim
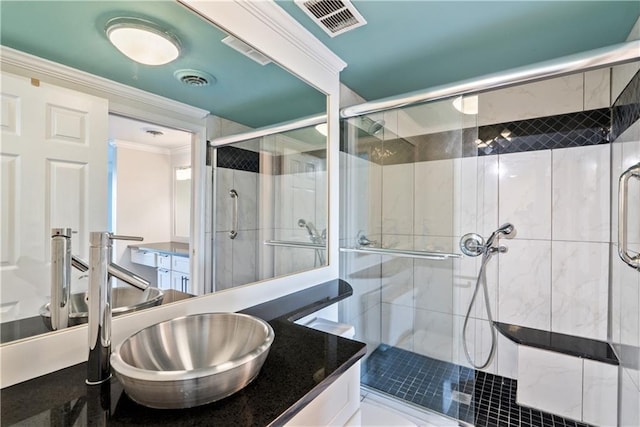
x=124, y=300
x=192, y=360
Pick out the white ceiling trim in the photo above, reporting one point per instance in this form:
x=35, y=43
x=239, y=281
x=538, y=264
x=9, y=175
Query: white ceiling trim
x=141, y=147
x=268, y=28
x=12, y=58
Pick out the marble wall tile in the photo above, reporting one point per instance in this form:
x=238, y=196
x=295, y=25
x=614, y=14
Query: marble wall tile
x=600, y=393
x=620, y=77
x=545, y=98
x=550, y=381
x=397, y=326
x=478, y=340
x=525, y=193
x=466, y=190
x=224, y=205
x=367, y=326
x=597, y=89
x=361, y=196
x=579, y=296
x=629, y=401
x=488, y=185
x=525, y=284
x=363, y=273
x=507, y=357
x=465, y=275
x=245, y=258
x=397, y=199
x=246, y=184
x=433, y=198
x=433, y=335
x=223, y=261
x=580, y=193
x=398, y=274
x=433, y=285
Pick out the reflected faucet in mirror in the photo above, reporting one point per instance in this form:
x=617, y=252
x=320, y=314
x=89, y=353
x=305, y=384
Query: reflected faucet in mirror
x=316, y=238
x=67, y=309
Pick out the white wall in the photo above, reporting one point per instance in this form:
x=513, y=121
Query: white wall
x=143, y=201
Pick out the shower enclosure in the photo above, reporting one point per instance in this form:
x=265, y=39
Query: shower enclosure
x=410, y=190
x=270, y=206
x=543, y=156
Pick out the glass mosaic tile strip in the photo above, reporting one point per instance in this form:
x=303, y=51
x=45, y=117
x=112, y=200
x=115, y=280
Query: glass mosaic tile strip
x=626, y=109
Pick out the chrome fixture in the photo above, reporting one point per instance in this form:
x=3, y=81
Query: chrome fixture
x=585, y=61
x=363, y=240
x=100, y=267
x=315, y=237
x=632, y=261
x=123, y=299
x=63, y=311
x=268, y=130
x=234, y=225
x=473, y=244
x=403, y=253
x=60, y=277
x=373, y=127
x=192, y=360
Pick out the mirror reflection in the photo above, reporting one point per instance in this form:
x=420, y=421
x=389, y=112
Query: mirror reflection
x=91, y=170
x=271, y=207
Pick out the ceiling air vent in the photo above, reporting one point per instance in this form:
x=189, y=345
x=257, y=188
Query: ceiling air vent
x=333, y=16
x=246, y=50
x=195, y=77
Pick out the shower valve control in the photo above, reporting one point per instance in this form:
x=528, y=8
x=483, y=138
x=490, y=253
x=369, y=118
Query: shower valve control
x=472, y=244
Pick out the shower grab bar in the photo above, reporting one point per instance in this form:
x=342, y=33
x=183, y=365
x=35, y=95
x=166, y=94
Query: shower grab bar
x=291, y=244
x=234, y=225
x=404, y=253
x=623, y=186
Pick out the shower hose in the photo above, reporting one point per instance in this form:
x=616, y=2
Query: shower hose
x=481, y=281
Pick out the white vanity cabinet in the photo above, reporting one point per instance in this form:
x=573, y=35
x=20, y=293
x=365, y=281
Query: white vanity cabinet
x=172, y=269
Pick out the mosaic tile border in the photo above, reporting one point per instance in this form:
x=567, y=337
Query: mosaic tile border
x=436, y=385
x=579, y=129
x=239, y=159
x=626, y=109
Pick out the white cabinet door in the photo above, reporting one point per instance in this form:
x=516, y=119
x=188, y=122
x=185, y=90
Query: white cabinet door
x=164, y=279
x=53, y=170
x=180, y=281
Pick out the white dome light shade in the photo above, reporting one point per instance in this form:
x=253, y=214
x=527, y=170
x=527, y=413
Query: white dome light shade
x=142, y=41
x=322, y=129
x=467, y=104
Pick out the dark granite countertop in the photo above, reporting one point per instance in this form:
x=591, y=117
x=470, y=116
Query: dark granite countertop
x=32, y=326
x=566, y=344
x=301, y=364
x=168, y=248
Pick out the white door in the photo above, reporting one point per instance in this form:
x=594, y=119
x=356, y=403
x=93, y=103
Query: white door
x=53, y=169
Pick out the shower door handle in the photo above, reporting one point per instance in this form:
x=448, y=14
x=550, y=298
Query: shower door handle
x=234, y=225
x=623, y=186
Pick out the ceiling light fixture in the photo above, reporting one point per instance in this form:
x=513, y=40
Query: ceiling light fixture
x=466, y=104
x=322, y=129
x=143, y=41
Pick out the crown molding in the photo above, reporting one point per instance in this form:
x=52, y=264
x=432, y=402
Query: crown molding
x=184, y=149
x=268, y=28
x=287, y=27
x=32, y=64
x=141, y=147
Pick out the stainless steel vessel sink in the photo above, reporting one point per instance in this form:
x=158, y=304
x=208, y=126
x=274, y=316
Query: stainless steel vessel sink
x=124, y=300
x=192, y=360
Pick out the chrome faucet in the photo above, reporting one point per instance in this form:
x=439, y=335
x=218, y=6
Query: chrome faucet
x=62, y=260
x=60, y=277
x=101, y=269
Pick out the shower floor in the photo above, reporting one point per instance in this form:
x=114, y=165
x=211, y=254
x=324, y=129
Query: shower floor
x=468, y=395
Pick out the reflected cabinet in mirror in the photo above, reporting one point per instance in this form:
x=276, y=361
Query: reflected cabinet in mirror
x=74, y=159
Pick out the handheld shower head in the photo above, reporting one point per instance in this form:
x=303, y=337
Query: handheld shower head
x=507, y=229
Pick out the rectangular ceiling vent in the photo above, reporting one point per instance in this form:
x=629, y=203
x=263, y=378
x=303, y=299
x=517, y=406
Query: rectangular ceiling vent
x=333, y=16
x=246, y=50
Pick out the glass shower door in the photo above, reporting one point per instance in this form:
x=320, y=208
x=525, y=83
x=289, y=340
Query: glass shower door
x=404, y=174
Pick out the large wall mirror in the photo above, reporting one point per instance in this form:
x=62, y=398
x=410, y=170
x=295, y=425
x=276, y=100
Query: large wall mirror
x=91, y=170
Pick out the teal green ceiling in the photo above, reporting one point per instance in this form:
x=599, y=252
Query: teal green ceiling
x=412, y=45
x=72, y=33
